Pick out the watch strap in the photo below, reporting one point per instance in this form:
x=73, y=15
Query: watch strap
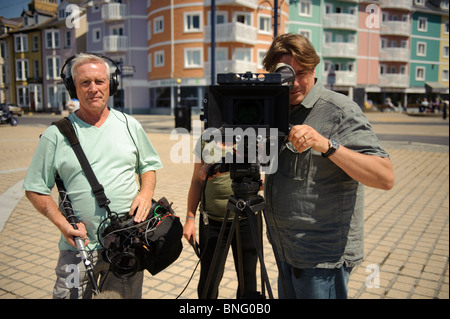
x=333, y=147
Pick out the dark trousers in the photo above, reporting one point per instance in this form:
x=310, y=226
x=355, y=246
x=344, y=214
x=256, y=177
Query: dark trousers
x=208, y=239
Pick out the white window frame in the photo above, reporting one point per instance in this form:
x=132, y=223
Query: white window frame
x=158, y=25
x=22, y=45
x=421, y=48
x=37, y=96
x=305, y=8
x=188, y=22
x=264, y=24
x=261, y=53
x=306, y=33
x=223, y=15
x=52, y=67
x=52, y=96
x=23, y=98
x=22, y=69
x=444, y=75
x=419, y=77
x=422, y=24
x=36, y=69
x=248, y=17
x=190, y=59
x=35, y=40
x=445, y=53
x=247, y=54
x=117, y=29
x=68, y=39
x=221, y=54
x=95, y=32
x=159, y=58
x=55, y=39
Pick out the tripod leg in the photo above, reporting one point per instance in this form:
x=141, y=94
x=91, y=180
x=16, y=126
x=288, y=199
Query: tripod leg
x=260, y=238
x=240, y=259
x=216, y=256
x=252, y=223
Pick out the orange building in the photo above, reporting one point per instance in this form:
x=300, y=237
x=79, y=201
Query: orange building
x=179, y=46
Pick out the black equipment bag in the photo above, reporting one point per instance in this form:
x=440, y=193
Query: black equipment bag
x=162, y=245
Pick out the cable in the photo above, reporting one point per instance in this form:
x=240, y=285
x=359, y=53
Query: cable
x=189, y=281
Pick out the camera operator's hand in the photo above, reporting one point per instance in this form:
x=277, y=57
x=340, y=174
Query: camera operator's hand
x=303, y=137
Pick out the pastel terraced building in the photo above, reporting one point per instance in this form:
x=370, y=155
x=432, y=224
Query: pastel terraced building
x=374, y=50
x=370, y=50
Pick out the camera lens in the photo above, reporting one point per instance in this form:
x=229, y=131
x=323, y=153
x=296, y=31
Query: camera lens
x=248, y=112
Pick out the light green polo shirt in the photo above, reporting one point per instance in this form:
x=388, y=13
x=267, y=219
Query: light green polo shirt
x=112, y=151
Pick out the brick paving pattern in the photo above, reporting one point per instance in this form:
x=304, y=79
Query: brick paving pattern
x=406, y=229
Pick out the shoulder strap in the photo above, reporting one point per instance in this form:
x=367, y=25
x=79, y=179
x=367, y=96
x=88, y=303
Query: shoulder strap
x=66, y=128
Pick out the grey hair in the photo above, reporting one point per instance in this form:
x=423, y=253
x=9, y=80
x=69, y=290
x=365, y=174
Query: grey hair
x=82, y=58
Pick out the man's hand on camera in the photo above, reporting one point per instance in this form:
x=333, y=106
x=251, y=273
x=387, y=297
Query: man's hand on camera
x=303, y=137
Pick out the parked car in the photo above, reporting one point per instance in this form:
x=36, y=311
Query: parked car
x=14, y=108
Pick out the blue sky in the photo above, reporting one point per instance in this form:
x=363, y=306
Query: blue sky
x=12, y=8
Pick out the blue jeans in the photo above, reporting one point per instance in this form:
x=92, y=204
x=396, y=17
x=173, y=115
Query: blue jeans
x=315, y=283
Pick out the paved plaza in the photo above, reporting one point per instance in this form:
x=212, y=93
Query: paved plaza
x=406, y=228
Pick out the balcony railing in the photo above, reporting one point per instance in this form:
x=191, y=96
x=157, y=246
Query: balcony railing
x=402, y=28
x=343, y=78
x=344, y=21
x=114, y=11
x=395, y=54
x=115, y=43
x=340, y=50
x=245, y=3
x=232, y=32
x=396, y=4
x=231, y=66
x=393, y=80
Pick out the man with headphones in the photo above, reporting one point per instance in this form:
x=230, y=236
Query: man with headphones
x=117, y=148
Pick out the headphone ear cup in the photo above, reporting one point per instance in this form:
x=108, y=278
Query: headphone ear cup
x=113, y=84
x=70, y=86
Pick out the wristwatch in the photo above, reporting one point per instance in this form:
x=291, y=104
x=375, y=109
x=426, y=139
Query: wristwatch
x=333, y=146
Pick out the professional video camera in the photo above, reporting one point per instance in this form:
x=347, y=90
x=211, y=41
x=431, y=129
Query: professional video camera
x=251, y=111
x=152, y=244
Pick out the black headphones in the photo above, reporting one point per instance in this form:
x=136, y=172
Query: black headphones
x=70, y=85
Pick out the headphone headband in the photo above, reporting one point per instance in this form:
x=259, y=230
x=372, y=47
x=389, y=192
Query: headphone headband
x=70, y=85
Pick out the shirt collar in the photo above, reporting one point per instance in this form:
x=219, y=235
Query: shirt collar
x=313, y=95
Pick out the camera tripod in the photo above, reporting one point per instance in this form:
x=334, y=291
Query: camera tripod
x=245, y=202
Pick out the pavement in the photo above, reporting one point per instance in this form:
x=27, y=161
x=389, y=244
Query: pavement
x=406, y=228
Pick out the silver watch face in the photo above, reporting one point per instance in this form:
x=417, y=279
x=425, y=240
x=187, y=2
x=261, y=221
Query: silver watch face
x=334, y=144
